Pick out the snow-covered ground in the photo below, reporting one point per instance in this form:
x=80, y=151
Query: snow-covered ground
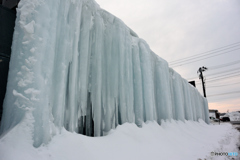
x=175, y=140
x=234, y=116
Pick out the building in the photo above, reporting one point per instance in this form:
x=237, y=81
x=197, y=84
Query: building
x=7, y=23
x=11, y=4
x=213, y=113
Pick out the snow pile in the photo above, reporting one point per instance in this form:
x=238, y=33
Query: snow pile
x=76, y=66
x=234, y=116
x=175, y=140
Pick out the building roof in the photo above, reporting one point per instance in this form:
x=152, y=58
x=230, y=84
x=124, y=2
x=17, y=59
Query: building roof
x=213, y=110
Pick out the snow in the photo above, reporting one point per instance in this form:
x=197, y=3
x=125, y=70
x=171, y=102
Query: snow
x=29, y=28
x=73, y=63
x=172, y=140
x=233, y=116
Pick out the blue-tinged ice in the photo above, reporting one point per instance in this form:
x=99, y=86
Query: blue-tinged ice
x=77, y=66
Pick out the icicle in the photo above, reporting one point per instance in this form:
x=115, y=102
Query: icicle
x=76, y=66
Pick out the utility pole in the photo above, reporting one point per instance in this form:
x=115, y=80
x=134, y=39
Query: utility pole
x=200, y=71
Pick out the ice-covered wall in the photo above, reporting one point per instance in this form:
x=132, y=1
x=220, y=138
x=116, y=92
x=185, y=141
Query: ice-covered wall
x=76, y=65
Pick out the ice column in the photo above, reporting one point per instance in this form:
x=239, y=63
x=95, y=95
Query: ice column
x=77, y=66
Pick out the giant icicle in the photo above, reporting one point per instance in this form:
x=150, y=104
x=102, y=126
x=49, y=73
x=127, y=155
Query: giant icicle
x=76, y=66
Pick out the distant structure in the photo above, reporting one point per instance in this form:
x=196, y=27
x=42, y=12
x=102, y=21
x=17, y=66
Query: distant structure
x=213, y=113
x=11, y=4
x=7, y=24
x=192, y=83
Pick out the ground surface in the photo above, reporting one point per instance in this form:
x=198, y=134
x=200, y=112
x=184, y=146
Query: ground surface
x=175, y=140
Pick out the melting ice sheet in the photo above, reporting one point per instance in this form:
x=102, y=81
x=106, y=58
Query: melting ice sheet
x=77, y=66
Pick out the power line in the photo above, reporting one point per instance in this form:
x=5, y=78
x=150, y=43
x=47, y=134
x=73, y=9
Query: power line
x=207, y=51
x=222, y=98
x=223, y=65
x=176, y=63
x=199, y=55
x=224, y=93
x=217, y=67
x=238, y=71
x=203, y=58
x=222, y=76
x=223, y=85
x=221, y=79
x=217, y=73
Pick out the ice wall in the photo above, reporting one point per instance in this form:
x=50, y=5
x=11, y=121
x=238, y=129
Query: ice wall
x=76, y=66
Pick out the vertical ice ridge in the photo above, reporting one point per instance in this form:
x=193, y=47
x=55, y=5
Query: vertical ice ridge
x=81, y=68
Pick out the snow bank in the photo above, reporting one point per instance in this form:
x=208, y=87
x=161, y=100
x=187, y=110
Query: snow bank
x=234, y=116
x=175, y=140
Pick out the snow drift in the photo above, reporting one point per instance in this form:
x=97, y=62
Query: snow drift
x=76, y=66
x=173, y=140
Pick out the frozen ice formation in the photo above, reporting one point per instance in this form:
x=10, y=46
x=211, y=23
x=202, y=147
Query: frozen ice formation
x=74, y=65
